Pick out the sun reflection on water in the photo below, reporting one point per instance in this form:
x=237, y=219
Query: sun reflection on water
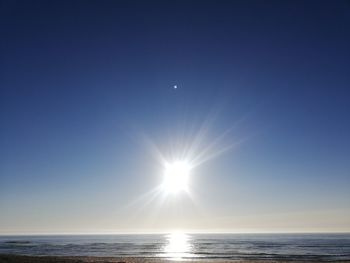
x=178, y=246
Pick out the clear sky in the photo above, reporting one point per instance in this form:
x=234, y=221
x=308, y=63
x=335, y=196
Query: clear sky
x=88, y=109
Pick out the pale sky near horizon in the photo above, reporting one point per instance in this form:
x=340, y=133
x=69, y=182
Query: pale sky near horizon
x=89, y=114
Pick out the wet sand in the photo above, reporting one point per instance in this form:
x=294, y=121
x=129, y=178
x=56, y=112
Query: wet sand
x=52, y=259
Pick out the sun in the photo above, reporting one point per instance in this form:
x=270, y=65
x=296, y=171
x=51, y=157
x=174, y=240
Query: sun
x=176, y=177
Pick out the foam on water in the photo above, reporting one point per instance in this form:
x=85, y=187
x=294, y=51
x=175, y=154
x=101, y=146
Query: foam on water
x=317, y=247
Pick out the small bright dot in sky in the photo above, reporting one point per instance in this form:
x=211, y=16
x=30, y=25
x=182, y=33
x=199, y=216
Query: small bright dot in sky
x=175, y=86
x=176, y=177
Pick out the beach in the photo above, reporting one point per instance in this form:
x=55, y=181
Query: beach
x=55, y=259
x=180, y=130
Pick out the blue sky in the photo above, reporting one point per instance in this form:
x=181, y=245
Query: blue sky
x=86, y=86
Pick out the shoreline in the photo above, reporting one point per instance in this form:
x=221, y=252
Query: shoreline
x=11, y=258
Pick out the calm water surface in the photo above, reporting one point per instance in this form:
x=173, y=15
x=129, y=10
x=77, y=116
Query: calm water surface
x=309, y=247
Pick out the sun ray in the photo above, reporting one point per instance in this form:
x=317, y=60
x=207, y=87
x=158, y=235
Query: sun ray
x=187, y=148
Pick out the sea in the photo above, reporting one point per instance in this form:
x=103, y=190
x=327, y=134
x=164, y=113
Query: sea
x=182, y=246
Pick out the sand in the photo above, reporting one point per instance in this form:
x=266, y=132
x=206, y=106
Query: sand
x=31, y=259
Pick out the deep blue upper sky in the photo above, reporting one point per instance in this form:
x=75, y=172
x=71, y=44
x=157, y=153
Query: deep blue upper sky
x=79, y=79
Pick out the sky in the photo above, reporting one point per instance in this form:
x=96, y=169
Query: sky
x=89, y=115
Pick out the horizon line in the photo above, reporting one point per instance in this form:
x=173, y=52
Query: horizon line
x=169, y=232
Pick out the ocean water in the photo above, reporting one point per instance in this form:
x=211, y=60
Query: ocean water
x=308, y=247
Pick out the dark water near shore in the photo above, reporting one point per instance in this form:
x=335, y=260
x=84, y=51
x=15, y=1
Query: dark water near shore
x=310, y=247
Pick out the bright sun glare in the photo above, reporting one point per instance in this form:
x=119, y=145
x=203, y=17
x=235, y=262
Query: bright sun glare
x=176, y=176
x=178, y=246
